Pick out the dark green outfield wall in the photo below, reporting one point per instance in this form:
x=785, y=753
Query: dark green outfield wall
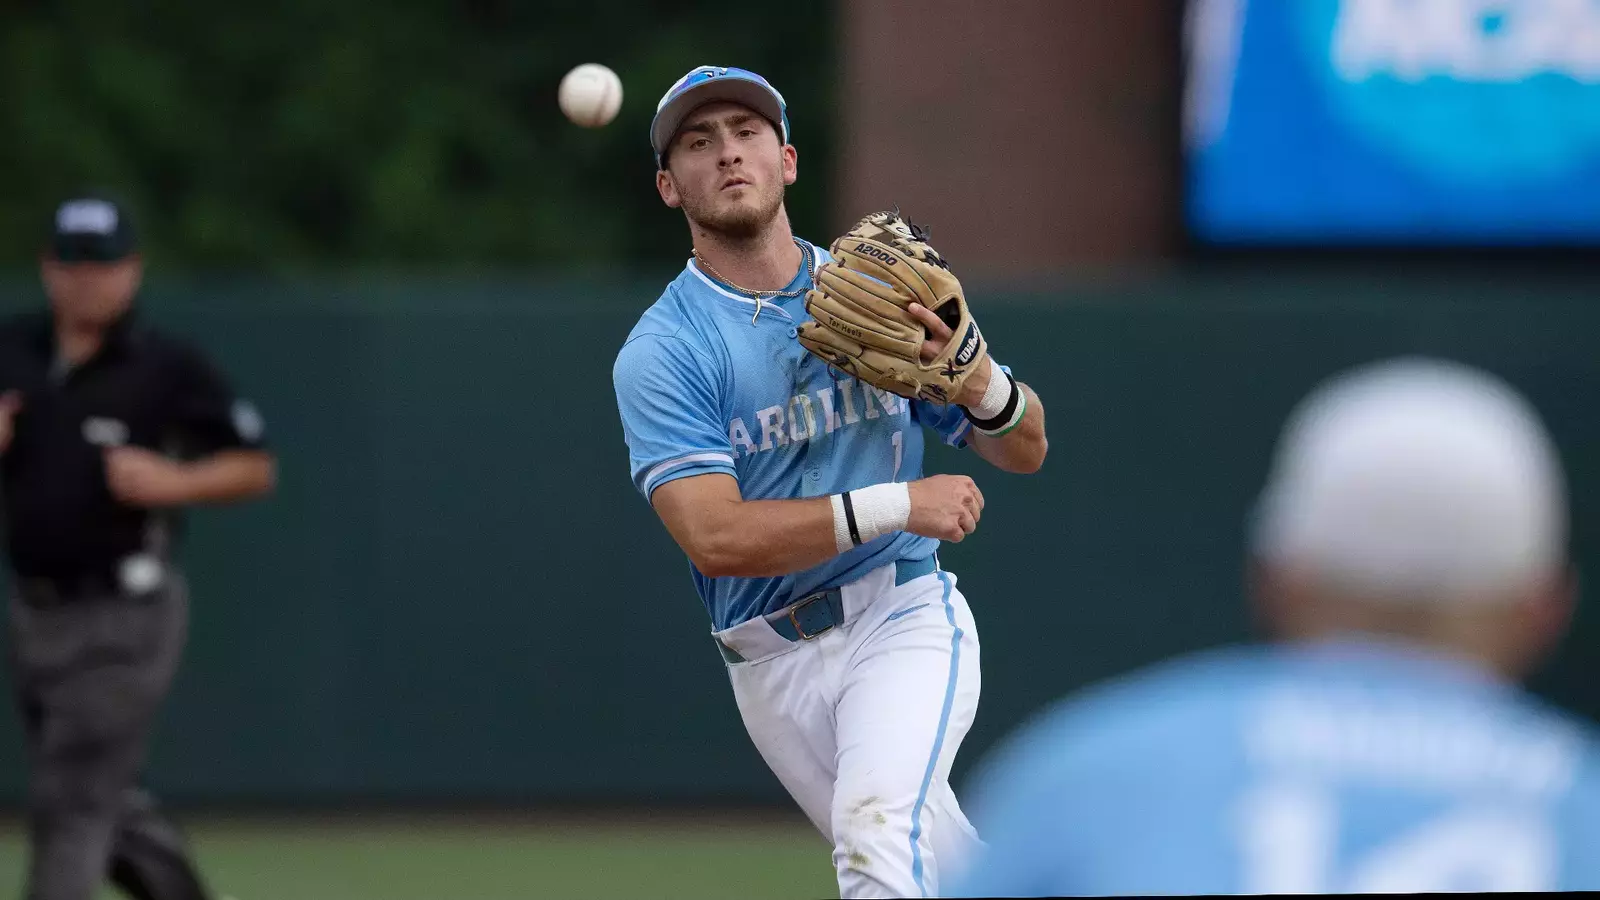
x=457, y=596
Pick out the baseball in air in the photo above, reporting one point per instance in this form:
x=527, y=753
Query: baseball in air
x=590, y=95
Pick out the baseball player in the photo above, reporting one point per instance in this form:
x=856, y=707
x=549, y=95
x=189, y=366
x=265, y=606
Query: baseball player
x=1410, y=560
x=797, y=491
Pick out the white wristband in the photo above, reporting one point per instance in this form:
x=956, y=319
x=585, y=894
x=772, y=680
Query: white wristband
x=995, y=396
x=1011, y=423
x=841, y=525
x=868, y=513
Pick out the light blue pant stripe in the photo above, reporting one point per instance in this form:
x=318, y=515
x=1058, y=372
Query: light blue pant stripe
x=938, y=740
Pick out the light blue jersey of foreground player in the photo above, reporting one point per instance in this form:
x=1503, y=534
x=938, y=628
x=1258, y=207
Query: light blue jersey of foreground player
x=1355, y=766
x=710, y=382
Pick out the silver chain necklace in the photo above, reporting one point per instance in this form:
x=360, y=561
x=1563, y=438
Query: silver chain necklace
x=760, y=296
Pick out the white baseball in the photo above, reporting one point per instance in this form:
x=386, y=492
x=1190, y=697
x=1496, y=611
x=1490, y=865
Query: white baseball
x=590, y=95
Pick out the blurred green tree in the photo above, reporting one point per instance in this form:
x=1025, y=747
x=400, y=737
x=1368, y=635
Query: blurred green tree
x=309, y=135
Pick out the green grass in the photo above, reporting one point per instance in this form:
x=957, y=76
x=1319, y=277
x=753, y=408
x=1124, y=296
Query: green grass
x=713, y=856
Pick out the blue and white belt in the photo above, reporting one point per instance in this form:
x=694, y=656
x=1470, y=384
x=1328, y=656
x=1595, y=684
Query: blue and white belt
x=820, y=612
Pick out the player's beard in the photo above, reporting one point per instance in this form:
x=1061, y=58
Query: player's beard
x=738, y=223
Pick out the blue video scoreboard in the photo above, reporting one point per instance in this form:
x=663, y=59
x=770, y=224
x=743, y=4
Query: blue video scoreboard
x=1393, y=122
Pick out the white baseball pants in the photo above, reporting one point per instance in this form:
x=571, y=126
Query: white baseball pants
x=862, y=722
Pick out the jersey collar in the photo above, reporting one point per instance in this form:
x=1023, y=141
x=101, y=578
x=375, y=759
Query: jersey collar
x=120, y=336
x=763, y=306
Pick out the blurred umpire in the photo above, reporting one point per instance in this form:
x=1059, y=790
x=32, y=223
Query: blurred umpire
x=107, y=428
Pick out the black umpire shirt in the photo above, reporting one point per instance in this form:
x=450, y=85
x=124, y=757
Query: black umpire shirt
x=142, y=388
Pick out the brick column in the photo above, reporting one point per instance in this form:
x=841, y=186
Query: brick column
x=1031, y=135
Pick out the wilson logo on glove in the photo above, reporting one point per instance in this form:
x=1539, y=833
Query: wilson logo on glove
x=969, y=347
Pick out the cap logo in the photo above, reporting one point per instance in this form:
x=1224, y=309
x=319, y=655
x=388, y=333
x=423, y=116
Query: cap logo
x=702, y=72
x=86, y=217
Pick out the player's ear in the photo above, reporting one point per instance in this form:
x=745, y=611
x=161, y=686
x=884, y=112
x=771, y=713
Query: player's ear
x=790, y=158
x=1269, y=589
x=1544, y=618
x=667, y=188
x=135, y=268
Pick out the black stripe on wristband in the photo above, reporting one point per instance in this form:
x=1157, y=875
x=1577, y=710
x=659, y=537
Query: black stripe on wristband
x=1005, y=414
x=850, y=519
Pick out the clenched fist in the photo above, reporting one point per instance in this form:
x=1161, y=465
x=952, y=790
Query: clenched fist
x=140, y=477
x=946, y=507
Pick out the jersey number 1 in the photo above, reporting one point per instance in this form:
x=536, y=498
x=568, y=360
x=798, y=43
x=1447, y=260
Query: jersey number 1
x=898, y=440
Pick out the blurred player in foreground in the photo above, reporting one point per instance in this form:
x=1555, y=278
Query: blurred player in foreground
x=1409, y=558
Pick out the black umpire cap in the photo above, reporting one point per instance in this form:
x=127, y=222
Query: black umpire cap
x=91, y=228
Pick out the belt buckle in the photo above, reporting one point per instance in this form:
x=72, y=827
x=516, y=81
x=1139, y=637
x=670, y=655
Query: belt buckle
x=794, y=618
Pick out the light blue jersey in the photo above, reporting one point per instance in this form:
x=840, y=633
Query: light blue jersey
x=1342, y=767
x=706, y=384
